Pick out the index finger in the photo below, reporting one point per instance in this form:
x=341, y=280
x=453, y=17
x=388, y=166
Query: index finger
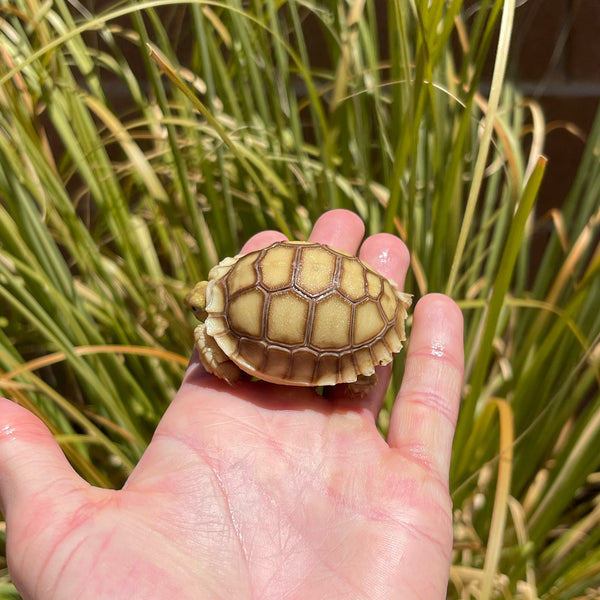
x=389, y=256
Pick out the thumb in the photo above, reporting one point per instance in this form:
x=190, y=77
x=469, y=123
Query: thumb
x=32, y=465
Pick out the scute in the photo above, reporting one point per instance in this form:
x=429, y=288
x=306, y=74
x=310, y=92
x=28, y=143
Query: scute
x=373, y=284
x=348, y=367
x=327, y=369
x=331, y=323
x=304, y=314
x=368, y=323
x=352, y=279
x=243, y=275
x=215, y=297
x=286, y=318
x=278, y=362
x=316, y=270
x=388, y=301
x=364, y=361
x=303, y=364
x=246, y=313
x=253, y=353
x=276, y=267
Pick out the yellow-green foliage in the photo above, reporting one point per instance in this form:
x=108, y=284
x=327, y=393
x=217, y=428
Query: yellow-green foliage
x=141, y=144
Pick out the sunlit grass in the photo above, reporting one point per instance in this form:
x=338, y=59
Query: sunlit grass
x=136, y=152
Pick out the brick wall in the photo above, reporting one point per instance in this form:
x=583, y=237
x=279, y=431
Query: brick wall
x=556, y=44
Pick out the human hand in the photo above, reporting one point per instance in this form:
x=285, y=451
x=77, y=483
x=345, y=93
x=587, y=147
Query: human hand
x=256, y=490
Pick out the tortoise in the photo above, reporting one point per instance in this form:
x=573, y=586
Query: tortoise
x=298, y=313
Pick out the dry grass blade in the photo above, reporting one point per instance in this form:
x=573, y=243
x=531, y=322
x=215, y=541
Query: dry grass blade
x=498, y=521
x=129, y=166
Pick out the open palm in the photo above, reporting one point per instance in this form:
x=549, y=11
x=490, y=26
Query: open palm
x=257, y=490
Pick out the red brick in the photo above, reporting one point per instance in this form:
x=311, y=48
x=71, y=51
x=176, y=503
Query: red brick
x=537, y=31
x=584, y=59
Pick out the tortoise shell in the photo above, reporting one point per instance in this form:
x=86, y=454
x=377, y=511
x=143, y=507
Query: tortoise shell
x=304, y=314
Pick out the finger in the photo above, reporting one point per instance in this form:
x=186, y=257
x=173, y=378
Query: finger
x=32, y=465
x=340, y=229
x=424, y=416
x=388, y=255
x=262, y=239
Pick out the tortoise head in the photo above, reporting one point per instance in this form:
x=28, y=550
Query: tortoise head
x=196, y=300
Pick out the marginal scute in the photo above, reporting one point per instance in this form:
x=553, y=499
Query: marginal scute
x=215, y=297
x=364, y=360
x=252, y=352
x=389, y=301
x=278, y=362
x=400, y=329
x=381, y=353
x=299, y=314
x=392, y=340
x=228, y=343
x=347, y=368
x=220, y=270
x=316, y=271
x=327, y=369
x=216, y=325
x=303, y=364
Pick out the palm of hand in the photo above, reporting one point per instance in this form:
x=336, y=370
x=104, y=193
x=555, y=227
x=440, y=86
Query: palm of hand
x=255, y=491
x=312, y=494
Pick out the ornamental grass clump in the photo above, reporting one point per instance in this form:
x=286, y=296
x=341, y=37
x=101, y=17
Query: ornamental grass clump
x=142, y=142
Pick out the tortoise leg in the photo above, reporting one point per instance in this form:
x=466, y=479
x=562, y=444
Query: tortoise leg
x=362, y=385
x=213, y=359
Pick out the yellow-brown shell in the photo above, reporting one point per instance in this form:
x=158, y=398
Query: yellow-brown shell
x=304, y=314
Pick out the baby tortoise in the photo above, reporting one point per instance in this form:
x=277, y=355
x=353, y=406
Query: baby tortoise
x=298, y=313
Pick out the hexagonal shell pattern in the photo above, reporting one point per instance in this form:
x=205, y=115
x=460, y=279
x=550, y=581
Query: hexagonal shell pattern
x=305, y=314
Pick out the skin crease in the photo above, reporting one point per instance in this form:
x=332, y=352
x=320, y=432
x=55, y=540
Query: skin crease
x=256, y=491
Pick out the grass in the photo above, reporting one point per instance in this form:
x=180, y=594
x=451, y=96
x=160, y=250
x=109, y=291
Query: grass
x=130, y=161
